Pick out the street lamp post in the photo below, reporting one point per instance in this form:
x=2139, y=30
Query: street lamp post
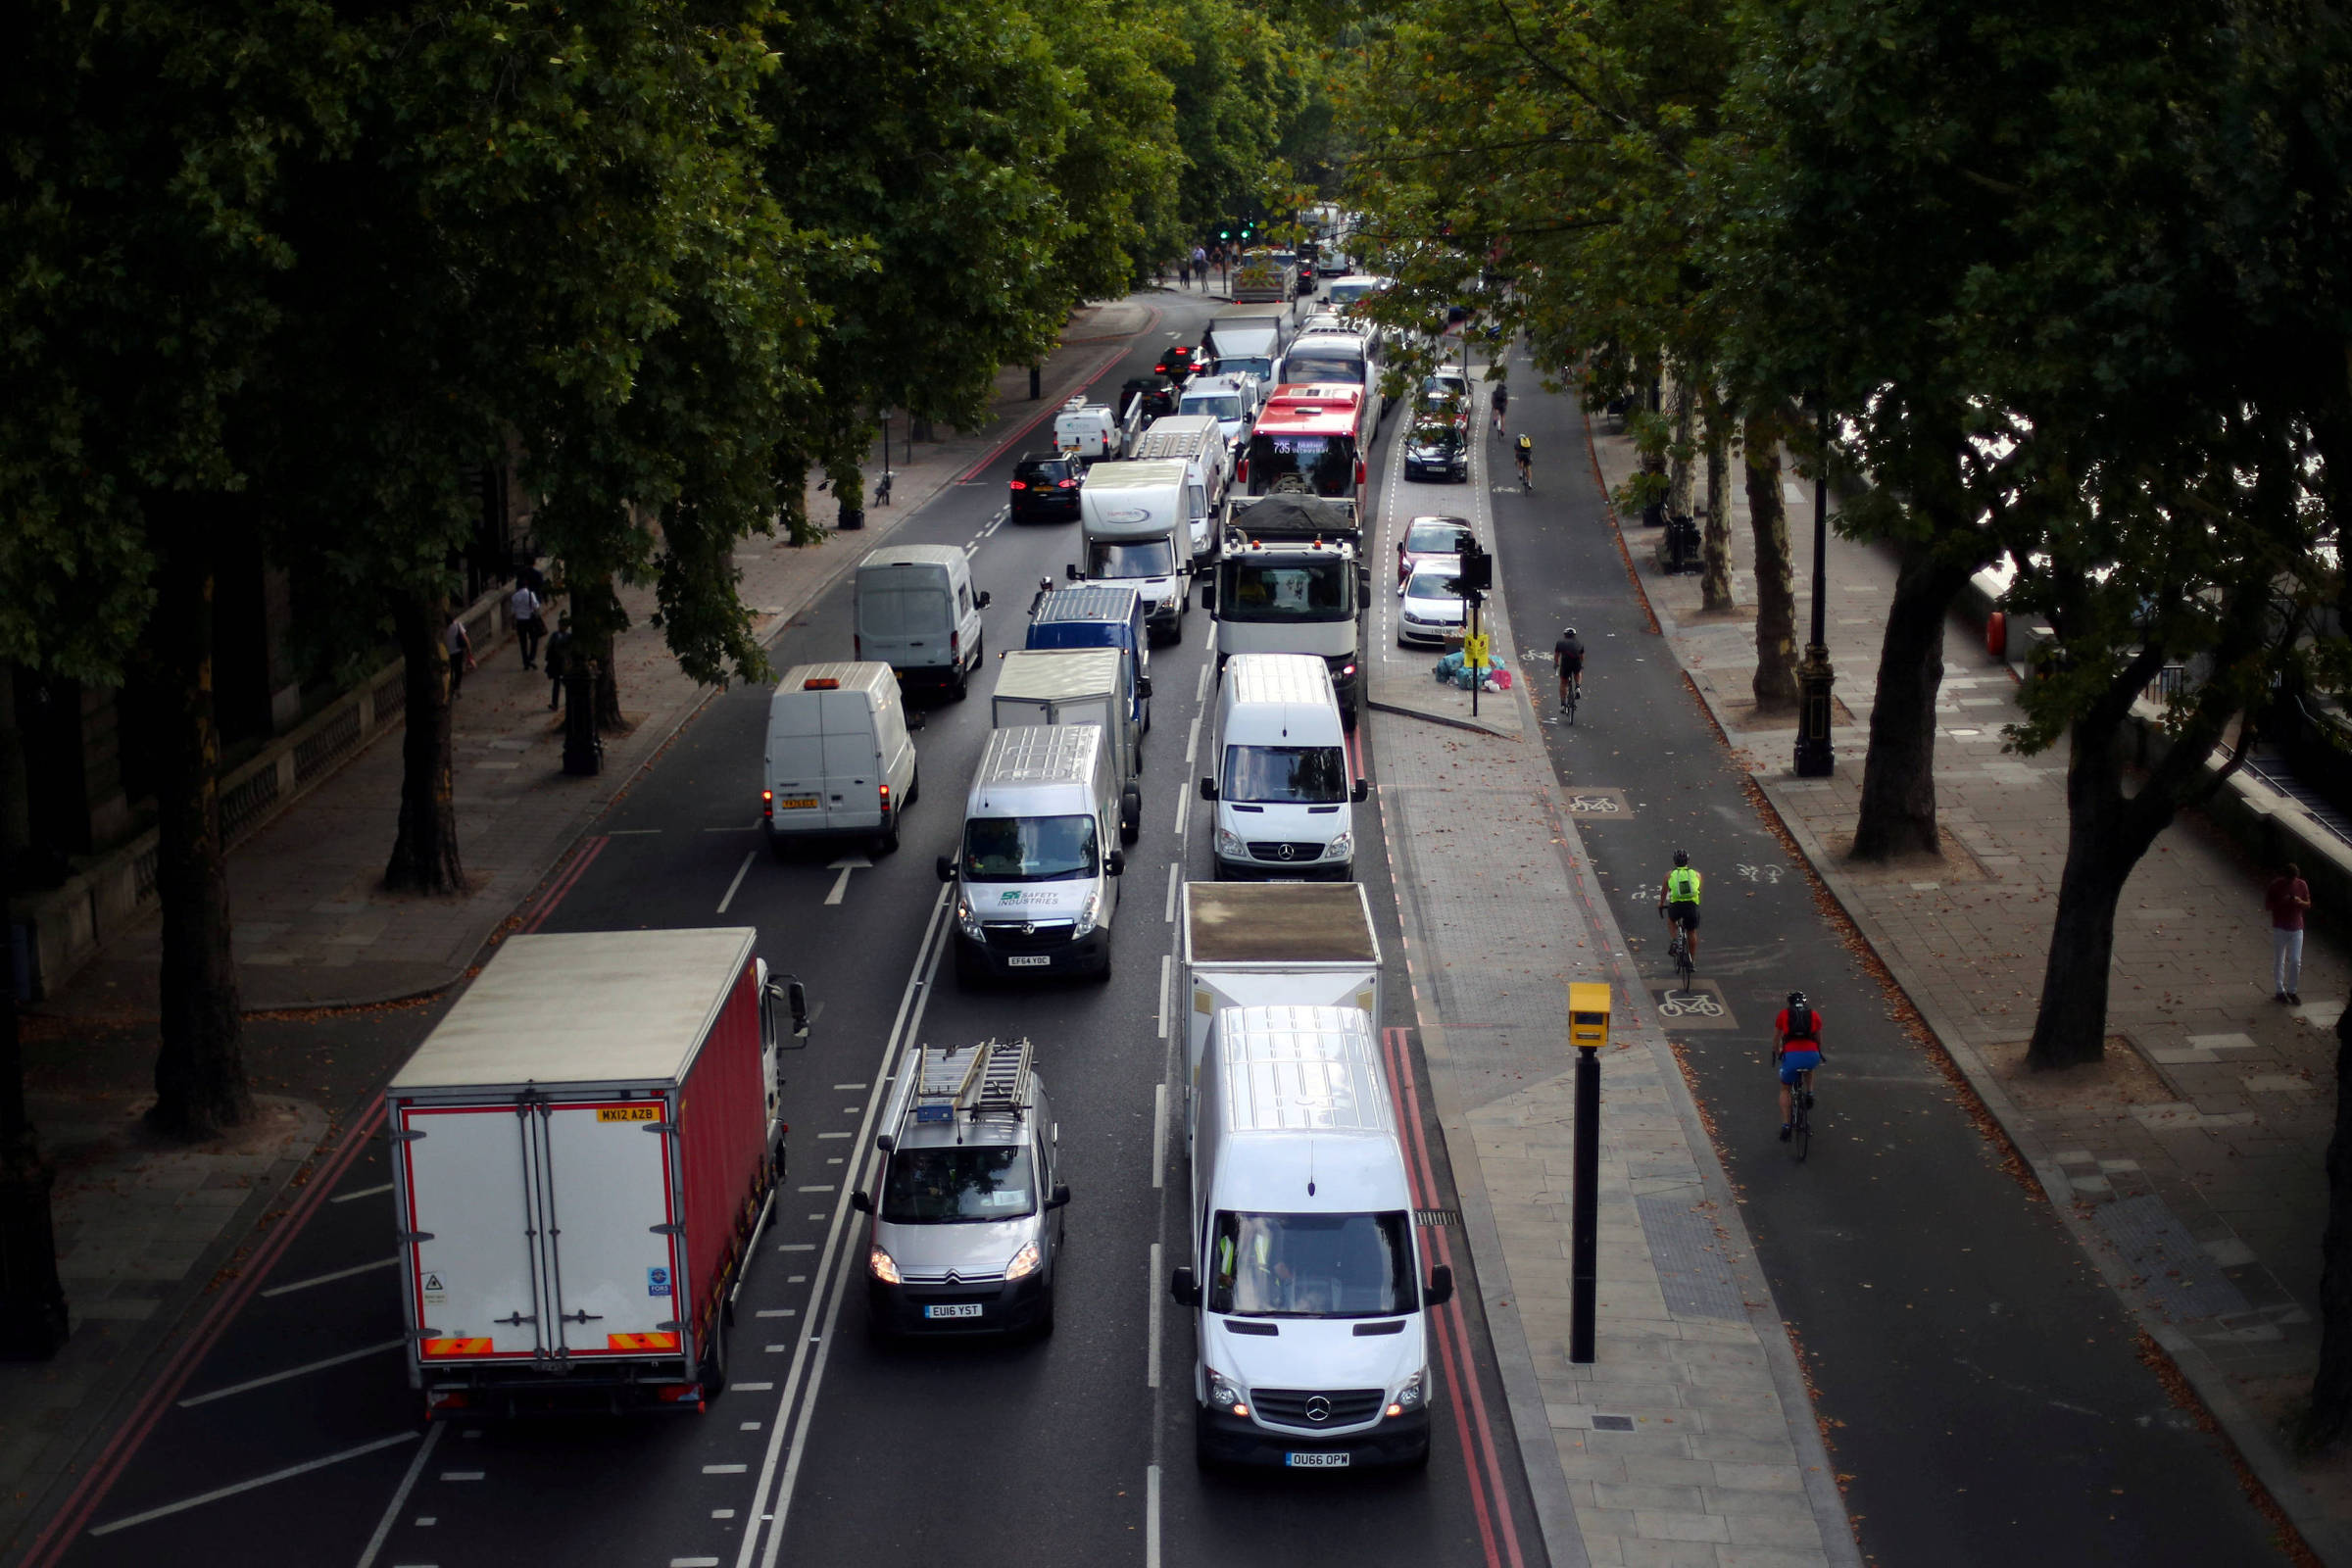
x=1815, y=758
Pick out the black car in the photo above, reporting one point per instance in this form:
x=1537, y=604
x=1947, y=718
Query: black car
x=1045, y=488
x=1436, y=451
x=1177, y=364
x=1158, y=397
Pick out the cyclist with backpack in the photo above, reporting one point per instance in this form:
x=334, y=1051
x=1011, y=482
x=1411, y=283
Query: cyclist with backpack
x=1678, y=901
x=1796, y=1052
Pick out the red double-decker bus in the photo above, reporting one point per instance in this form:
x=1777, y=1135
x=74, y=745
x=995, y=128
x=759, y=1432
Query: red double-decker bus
x=1311, y=436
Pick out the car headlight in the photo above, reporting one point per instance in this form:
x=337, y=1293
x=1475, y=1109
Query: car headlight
x=1411, y=1395
x=1087, y=912
x=1341, y=845
x=1226, y=1396
x=1230, y=846
x=1025, y=1263
x=966, y=921
x=882, y=1266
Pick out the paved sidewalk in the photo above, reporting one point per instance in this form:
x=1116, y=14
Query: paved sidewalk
x=1690, y=1439
x=147, y=1230
x=2189, y=1164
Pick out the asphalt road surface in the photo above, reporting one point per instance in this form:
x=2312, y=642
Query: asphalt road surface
x=292, y=1436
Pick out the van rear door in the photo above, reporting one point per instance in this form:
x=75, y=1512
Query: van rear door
x=796, y=764
x=904, y=617
x=852, y=771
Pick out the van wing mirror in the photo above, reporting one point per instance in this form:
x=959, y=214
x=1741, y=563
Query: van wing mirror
x=1143, y=685
x=795, y=997
x=983, y=600
x=1208, y=596
x=860, y=1202
x=1184, y=1288
x=1441, y=1286
x=915, y=719
x=1060, y=1197
x=1069, y=570
x=1116, y=863
x=1209, y=788
x=946, y=870
x=1363, y=788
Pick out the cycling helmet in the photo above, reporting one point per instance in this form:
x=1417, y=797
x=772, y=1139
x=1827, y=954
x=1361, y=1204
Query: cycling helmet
x=1797, y=999
x=1570, y=632
x=1682, y=856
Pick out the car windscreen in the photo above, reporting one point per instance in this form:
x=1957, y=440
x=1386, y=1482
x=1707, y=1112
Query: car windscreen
x=942, y=1186
x=1028, y=848
x=887, y=610
x=1346, y=293
x=1273, y=591
x=1285, y=775
x=1327, y=463
x=1216, y=405
x=1148, y=558
x=1311, y=1265
x=1045, y=471
x=1302, y=368
x=1235, y=364
x=1435, y=538
x=1437, y=438
x=1442, y=586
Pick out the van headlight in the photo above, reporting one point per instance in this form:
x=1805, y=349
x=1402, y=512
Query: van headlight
x=1087, y=912
x=966, y=921
x=1025, y=1263
x=1411, y=1395
x=1230, y=845
x=1226, y=1396
x=1341, y=847
x=882, y=1266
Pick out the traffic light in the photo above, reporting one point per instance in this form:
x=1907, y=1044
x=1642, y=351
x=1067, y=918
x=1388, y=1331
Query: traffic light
x=1477, y=575
x=1224, y=233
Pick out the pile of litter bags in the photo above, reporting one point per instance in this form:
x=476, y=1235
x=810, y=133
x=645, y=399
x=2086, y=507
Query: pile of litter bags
x=1452, y=670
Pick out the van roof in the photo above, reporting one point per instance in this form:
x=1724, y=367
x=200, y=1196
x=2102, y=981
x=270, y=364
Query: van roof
x=586, y=1007
x=1272, y=923
x=1134, y=475
x=1036, y=753
x=870, y=677
x=1301, y=678
x=1089, y=603
x=948, y=556
x=1303, y=1069
x=1051, y=674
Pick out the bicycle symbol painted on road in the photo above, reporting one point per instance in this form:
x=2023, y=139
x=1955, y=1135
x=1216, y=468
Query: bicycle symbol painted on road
x=1688, y=1005
x=1769, y=875
x=1600, y=804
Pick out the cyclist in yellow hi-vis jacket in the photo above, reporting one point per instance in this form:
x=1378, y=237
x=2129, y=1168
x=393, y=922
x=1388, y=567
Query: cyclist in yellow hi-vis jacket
x=1678, y=900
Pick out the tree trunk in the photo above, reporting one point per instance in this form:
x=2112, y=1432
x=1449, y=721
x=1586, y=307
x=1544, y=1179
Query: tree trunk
x=1899, y=776
x=2105, y=836
x=200, y=1085
x=1715, y=552
x=598, y=620
x=2331, y=1411
x=32, y=1301
x=1679, y=469
x=1775, y=683
x=424, y=853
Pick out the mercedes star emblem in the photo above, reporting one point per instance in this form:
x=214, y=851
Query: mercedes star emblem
x=1288, y=851
x=1318, y=1408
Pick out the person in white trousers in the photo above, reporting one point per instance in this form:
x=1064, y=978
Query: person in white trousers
x=2288, y=897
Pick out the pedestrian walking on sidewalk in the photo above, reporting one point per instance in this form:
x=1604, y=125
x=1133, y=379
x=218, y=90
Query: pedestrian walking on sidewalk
x=558, y=661
x=461, y=652
x=1201, y=266
x=1184, y=275
x=2288, y=896
x=523, y=604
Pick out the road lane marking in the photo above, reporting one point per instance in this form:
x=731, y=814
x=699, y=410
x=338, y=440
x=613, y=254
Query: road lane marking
x=1201, y=687
x=274, y=1477
x=724, y=1469
x=845, y=1087
x=1184, y=810
x=748, y=857
x=462, y=1475
x=1168, y=970
x=797, y=1247
x=832, y=1135
x=329, y=1279
x=1175, y=874
x=1160, y=1134
x=365, y=1192
x=775, y=1311
x=290, y=1372
x=1192, y=741
x=1151, y=1509
x=750, y=1388
x=833, y=1272
x=629, y=832
x=748, y=827
x=400, y=1497
x=1151, y=1349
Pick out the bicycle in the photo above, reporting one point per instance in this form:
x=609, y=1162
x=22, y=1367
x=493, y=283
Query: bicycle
x=1800, y=1117
x=1679, y=950
x=1571, y=695
x=1526, y=472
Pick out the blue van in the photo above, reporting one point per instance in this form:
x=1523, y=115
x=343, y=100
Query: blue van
x=1095, y=616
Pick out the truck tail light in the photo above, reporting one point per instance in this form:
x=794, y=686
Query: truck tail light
x=886, y=803
x=1241, y=473
x=1360, y=470
x=767, y=806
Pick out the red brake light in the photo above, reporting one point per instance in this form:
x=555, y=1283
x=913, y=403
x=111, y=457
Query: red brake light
x=1360, y=470
x=821, y=683
x=1066, y=484
x=1017, y=485
x=768, y=804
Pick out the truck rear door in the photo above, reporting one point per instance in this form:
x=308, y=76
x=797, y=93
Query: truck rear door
x=612, y=1254
x=473, y=1265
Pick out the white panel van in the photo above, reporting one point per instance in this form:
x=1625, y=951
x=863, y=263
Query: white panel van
x=1307, y=1278
x=1037, y=872
x=917, y=612
x=1282, y=784
x=839, y=759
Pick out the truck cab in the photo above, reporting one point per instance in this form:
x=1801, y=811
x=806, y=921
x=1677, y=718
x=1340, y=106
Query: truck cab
x=1291, y=581
x=1093, y=616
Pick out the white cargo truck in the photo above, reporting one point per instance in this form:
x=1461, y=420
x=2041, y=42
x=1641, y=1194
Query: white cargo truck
x=1272, y=944
x=1076, y=686
x=583, y=1153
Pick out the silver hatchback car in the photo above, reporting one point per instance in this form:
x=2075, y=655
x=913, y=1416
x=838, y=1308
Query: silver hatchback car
x=967, y=1224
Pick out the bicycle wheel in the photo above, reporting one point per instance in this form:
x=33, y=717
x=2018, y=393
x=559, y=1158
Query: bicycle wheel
x=1682, y=967
x=1800, y=1141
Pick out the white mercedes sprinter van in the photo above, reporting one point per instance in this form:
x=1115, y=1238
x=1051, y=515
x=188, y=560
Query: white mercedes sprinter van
x=918, y=612
x=1282, y=781
x=1307, y=1275
x=839, y=759
x=1037, y=875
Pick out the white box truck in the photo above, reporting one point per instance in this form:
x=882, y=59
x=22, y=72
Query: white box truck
x=583, y=1151
x=1134, y=519
x=1076, y=686
x=1259, y=944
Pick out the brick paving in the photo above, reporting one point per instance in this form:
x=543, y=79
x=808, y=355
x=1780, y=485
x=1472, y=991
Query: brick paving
x=2190, y=1164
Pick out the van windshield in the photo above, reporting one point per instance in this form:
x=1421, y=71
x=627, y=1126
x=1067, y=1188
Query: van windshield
x=890, y=611
x=1259, y=365
x=1148, y=558
x=1303, y=367
x=1274, y=591
x=1225, y=406
x=1285, y=775
x=942, y=1186
x=1311, y=1265
x=1029, y=848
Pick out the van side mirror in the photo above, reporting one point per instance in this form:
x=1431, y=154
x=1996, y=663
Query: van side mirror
x=1060, y=1197
x=1441, y=1286
x=1363, y=788
x=1069, y=570
x=1116, y=863
x=1184, y=1288
x=1209, y=788
x=795, y=997
x=946, y=870
x=1208, y=596
x=1142, y=686
x=860, y=1202
x=983, y=600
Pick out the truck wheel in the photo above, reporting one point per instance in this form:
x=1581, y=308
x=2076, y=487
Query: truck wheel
x=1131, y=814
x=961, y=686
x=1348, y=714
x=914, y=784
x=887, y=841
x=714, y=1370
x=1044, y=1319
x=1147, y=722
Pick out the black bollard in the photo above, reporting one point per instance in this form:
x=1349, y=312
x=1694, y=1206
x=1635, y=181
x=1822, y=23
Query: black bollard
x=1584, y=1211
x=584, y=747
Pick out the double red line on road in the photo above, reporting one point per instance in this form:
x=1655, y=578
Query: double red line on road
x=1481, y=1456
x=582, y=859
